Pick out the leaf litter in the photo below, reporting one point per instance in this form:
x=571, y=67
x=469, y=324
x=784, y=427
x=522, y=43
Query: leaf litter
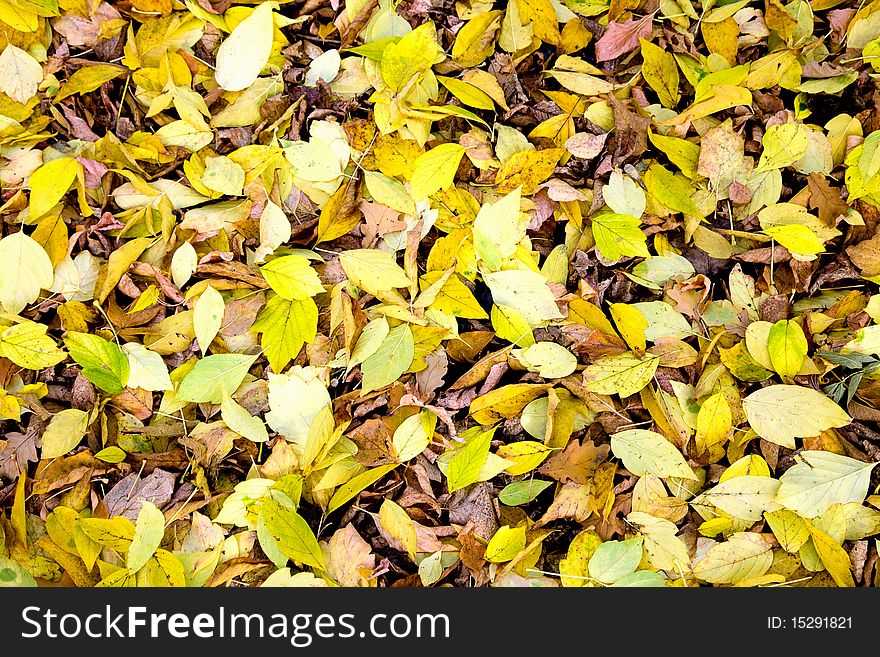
x=526, y=293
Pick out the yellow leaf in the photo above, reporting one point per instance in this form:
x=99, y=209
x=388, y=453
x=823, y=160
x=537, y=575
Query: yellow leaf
x=527, y=169
x=467, y=93
x=208, y=317
x=647, y=452
x=498, y=228
x=724, y=96
x=504, y=402
x=778, y=19
x=397, y=523
x=787, y=346
x=476, y=40
x=410, y=57
x=525, y=454
x=506, y=544
x=435, y=170
x=789, y=528
x=543, y=18
x=834, y=558
x=245, y=52
x=623, y=374
x=453, y=297
x=526, y=292
x=721, y=38
x=27, y=345
x=631, y=324
x=50, y=183
x=516, y=33
x=88, y=79
x=510, y=325
x=373, y=271
x=661, y=73
x=743, y=556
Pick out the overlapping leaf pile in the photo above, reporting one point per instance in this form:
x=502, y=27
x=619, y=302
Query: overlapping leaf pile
x=526, y=293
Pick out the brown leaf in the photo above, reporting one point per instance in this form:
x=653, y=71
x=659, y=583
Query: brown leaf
x=349, y=558
x=866, y=256
x=577, y=462
x=18, y=450
x=373, y=439
x=571, y=503
x=125, y=498
x=825, y=198
x=474, y=505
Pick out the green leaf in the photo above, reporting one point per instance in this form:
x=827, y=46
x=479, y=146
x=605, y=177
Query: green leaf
x=295, y=537
x=522, y=492
x=618, y=236
x=215, y=376
x=464, y=467
x=614, y=560
x=393, y=357
x=646, y=452
x=286, y=326
x=13, y=575
x=787, y=345
x=356, y=484
x=103, y=362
